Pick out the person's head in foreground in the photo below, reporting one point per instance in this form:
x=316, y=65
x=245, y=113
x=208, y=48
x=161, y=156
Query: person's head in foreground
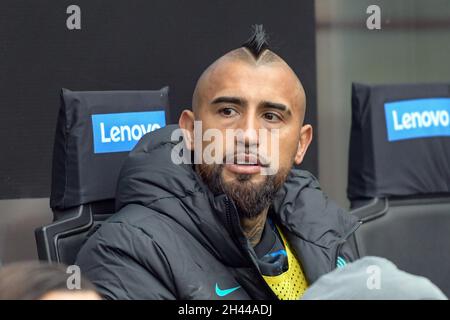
x=41, y=281
x=248, y=225
x=372, y=278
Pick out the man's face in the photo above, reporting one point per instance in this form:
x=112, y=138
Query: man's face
x=255, y=100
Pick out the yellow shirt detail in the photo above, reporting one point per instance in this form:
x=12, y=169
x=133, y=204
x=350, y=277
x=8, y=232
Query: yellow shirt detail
x=291, y=284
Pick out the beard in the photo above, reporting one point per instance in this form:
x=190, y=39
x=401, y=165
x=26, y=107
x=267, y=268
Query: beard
x=250, y=198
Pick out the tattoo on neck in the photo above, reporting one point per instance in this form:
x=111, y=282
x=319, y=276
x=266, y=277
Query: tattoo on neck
x=253, y=228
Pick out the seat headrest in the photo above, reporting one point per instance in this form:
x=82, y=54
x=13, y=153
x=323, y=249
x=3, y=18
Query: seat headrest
x=94, y=133
x=400, y=140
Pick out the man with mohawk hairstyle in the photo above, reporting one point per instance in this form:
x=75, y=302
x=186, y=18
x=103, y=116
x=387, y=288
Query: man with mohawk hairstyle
x=223, y=230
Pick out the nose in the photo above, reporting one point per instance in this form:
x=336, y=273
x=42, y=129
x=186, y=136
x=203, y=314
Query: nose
x=250, y=129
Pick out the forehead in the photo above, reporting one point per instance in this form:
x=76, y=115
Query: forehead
x=273, y=81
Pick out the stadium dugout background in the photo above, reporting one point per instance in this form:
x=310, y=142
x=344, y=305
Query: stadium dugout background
x=145, y=67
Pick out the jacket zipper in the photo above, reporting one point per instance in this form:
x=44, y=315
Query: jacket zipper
x=229, y=206
x=342, y=242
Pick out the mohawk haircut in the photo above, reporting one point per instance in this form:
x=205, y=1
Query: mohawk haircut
x=257, y=43
x=254, y=51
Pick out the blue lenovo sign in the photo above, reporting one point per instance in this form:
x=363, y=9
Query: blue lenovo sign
x=420, y=118
x=118, y=132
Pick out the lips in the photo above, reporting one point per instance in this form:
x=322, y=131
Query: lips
x=244, y=168
x=245, y=164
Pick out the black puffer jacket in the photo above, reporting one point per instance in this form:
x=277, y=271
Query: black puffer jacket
x=172, y=239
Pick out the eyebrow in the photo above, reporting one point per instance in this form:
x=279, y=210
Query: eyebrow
x=232, y=100
x=277, y=106
x=242, y=102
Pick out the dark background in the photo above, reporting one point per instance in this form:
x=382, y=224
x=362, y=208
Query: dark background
x=125, y=45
